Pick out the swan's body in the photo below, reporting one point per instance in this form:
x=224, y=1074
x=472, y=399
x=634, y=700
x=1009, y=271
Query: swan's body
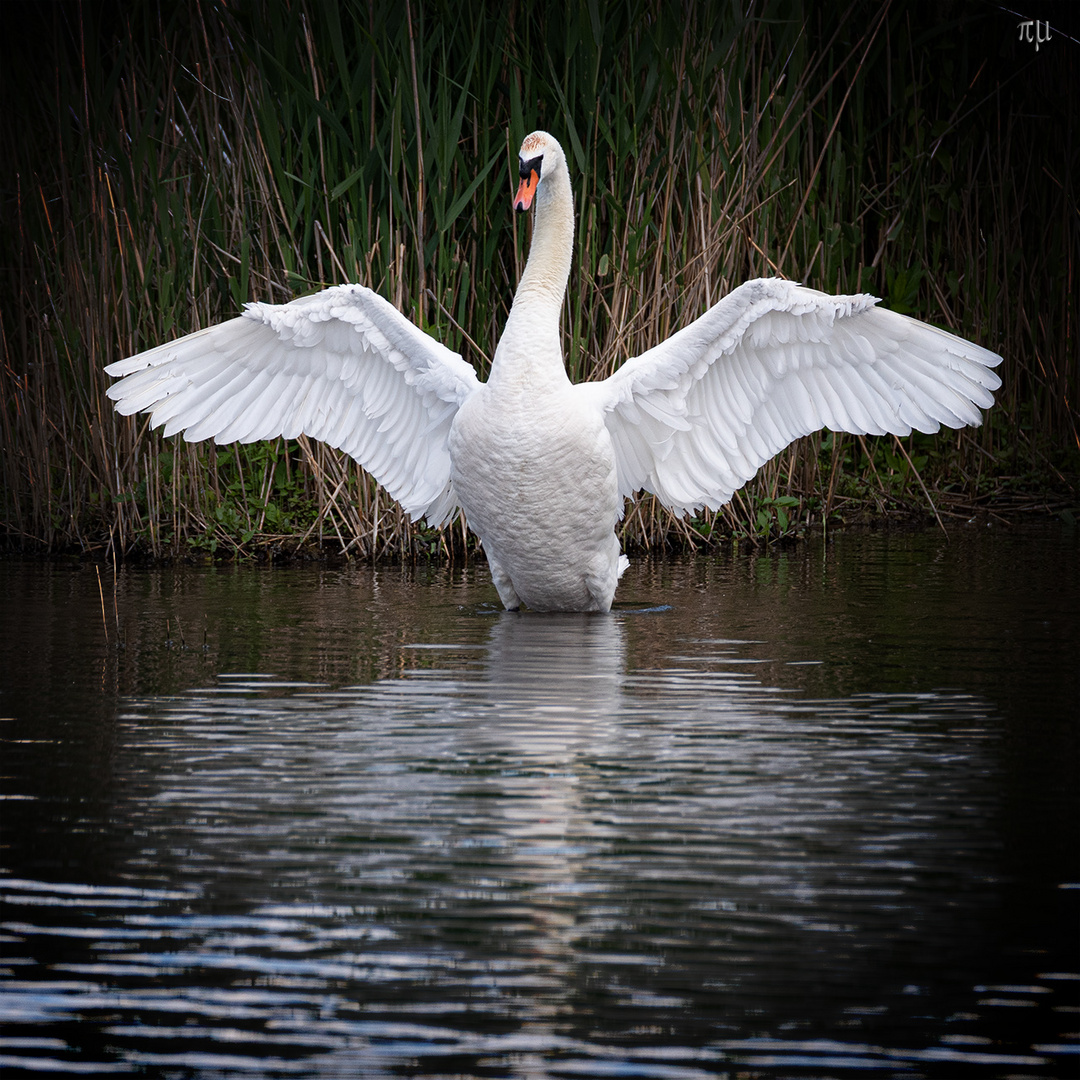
x=541, y=466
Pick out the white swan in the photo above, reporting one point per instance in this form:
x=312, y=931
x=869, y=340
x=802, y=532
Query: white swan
x=541, y=466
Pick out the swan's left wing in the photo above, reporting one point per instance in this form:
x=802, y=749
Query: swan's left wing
x=694, y=418
x=343, y=366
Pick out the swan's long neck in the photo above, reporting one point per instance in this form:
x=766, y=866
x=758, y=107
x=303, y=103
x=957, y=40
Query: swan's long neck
x=530, y=349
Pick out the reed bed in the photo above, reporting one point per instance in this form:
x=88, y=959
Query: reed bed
x=166, y=163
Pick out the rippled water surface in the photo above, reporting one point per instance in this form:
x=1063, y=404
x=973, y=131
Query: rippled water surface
x=810, y=813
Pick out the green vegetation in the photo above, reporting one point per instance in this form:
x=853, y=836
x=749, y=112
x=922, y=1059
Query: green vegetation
x=165, y=163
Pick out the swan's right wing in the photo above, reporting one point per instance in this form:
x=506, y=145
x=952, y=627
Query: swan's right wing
x=342, y=366
x=694, y=418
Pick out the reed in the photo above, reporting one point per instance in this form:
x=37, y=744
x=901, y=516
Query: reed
x=266, y=150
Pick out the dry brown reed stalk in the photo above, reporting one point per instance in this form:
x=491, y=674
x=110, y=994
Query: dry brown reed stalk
x=101, y=594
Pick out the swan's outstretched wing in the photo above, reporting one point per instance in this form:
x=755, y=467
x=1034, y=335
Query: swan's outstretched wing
x=694, y=418
x=343, y=366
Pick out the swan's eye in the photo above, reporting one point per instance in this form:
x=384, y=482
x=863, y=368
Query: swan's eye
x=530, y=166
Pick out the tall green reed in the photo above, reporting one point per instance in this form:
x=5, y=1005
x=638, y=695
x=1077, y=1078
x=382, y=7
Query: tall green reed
x=168, y=163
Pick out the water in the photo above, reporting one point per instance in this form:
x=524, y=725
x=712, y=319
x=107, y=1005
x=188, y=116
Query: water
x=807, y=814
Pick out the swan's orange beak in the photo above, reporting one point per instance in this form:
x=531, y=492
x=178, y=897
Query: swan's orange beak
x=526, y=191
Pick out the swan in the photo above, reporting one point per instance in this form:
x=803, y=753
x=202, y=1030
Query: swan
x=541, y=466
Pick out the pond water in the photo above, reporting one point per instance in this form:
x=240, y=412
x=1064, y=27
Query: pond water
x=806, y=813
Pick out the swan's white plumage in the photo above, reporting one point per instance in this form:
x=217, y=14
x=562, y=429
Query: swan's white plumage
x=695, y=417
x=541, y=466
x=342, y=366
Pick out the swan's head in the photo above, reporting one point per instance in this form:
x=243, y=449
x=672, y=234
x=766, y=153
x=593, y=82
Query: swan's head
x=540, y=156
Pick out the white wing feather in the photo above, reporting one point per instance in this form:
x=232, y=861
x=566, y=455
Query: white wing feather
x=342, y=366
x=694, y=418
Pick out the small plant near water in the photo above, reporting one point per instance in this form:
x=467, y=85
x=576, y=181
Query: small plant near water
x=773, y=516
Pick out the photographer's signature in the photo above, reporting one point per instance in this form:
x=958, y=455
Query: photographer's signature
x=1031, y=30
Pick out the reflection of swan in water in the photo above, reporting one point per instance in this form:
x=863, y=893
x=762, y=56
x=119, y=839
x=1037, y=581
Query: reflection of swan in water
x=550, y=688
x=551, y=691
x=568, y=665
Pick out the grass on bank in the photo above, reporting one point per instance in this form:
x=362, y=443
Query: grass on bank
x=169, y=162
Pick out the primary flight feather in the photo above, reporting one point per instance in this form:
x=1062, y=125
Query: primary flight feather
x=541, y=466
